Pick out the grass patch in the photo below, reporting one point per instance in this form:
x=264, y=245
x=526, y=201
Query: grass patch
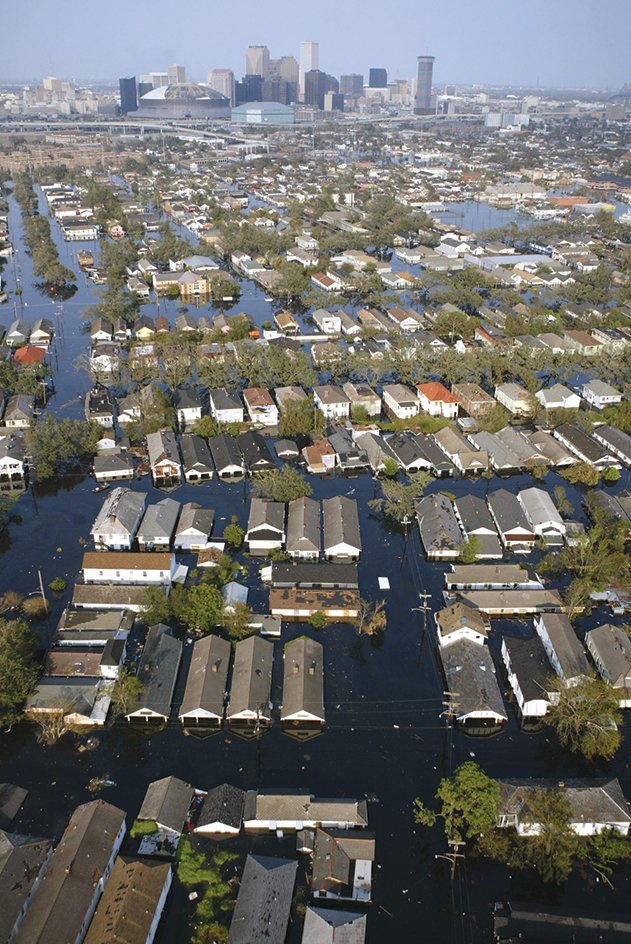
x=216, y=901
x=143, y=827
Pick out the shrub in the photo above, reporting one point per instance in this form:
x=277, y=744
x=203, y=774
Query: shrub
x=58, y=585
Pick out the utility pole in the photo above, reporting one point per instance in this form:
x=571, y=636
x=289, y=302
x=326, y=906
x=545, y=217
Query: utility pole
x=452, y=856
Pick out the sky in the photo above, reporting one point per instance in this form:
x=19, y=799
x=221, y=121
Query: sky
x=547, y=43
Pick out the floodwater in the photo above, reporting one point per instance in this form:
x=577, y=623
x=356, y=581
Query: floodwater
x=386, y=736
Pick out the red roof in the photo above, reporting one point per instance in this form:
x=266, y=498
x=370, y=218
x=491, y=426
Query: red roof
x=436, y=391
x=29, y=355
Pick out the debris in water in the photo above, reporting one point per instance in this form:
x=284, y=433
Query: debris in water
x=192, y=896
x=97, y=783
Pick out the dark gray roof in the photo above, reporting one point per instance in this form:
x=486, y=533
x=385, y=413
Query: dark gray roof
x=223, y=399
x=252, y=678
x=61, y=902
x=162, y=446
x=207, y=676
x=470, y=676
x=255, y=450
x=530, y=664
x=269, y=515
x=158, y=670
x=576, y=439
x=334, y=854
x=261, y=912
x=21, y=860
x=286, y=447
x=11, y=799
x=616, y=438
x=194, y=516
x=187, y=398
x=325, y=574
x=407, y=451
x=167, y=802
x=303, y=679
x=159, y=520
x=565, y=644
x=434, y=454
x=223, y=804
x=225, y=452
x=303, y=525
x=474, y=514
x=507, y=512
x=195, y=454
x=437, y=524
x=341, y=522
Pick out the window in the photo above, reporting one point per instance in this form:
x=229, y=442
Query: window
x=144, y=573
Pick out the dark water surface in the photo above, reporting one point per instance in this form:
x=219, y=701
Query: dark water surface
x=385, y=736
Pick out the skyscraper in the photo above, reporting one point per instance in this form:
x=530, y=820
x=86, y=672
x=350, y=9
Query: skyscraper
x=288, y=69
x=222, y=80
x=250, y=89
x=309, y=60
x=352, y=85
x=129, y=102
x=423, y=101
x=257, y=61
x=315, y=88
x=177, y=75
x=378, y=78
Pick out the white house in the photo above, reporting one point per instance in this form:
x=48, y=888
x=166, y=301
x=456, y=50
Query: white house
x=327, y=321
x=225, y=405
x=515, y=398
x=194, y=528
x=260, y=406
x=400, y=401
x=600, y=394
x=558, y=397
x=528, y=670
x=461, y=622
x=542, y=514
x=332, y=401
x=118, y=520
x=266, y=526
x=124, y=567
x=594, y=806
x=188, y=405
x=436, y=400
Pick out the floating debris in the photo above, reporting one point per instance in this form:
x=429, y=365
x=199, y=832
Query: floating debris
x=97, y=783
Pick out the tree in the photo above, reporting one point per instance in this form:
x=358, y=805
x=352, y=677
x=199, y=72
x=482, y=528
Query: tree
x=281, y=486
x=233, y=534
x=611, y=475
x=585, y=717
x=236, y=621
x=580, y=474
x=470, y=549
x=399, y=496
x=470, y=803
x=125, y=691
x=206, y=426
x=203, y=608
x=390, y=467
x=318, y=620
x=18, y=667
x=564, y=505
x=58, y=444
x=155, y=606
x=296, y=419
x=371, y=618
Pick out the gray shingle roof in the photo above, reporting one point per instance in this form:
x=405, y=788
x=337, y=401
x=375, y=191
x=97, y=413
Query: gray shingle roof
x=470, y=676
x=341, y=522
x=303, y=525
x=159, y=521
x=167, y=802
x=223, y=804
x=252, y=678
x=261, y=912
x=207, y=676
x=303, y=689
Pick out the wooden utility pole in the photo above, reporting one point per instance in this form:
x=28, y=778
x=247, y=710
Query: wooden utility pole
x=452, y=856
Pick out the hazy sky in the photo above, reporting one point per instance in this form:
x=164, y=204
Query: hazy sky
x=546, y=42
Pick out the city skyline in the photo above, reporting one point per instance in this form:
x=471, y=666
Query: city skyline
x=538, y=46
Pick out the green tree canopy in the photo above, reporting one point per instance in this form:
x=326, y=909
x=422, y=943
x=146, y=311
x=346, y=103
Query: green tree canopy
x=282, y=485
x=470, y=803
x=18, y=667
x=60, y=444
x=585, y=717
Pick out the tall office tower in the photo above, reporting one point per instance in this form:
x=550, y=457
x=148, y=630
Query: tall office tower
x=257, y=61
x=288, y=69
x=352, y=85
x=143, y=87
x=309, y=61
x=222, y=80
x=250, y=89
x=315, y=88
x=423, y=100
x=129, y=102
x=176, y=74
x=378, y=78
x=331, y=84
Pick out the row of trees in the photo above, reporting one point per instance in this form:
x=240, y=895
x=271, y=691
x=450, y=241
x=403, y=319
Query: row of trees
x=46, y=264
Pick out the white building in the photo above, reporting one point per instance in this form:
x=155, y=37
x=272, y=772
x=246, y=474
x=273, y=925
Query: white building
x=601, y=395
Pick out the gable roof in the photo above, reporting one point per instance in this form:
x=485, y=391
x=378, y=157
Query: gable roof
x=158, y=671
x=303, y=678
x=251, y=677
x=261, y=912
x=130, y=901
x=207, y=676
x=166, y=802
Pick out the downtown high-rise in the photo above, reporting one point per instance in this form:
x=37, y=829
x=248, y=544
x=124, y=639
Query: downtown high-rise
x=309, y=61
x=423, y=101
